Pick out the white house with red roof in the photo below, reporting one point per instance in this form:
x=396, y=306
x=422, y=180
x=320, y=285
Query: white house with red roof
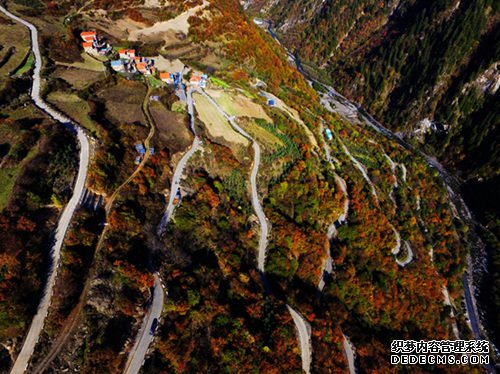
x=127, y=54
x=166, y=77
x=88, y=47
x=88, y=36
x=198, y=79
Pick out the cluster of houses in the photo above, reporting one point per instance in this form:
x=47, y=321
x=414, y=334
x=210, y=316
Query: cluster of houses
x=93, y=44
x=131, y=63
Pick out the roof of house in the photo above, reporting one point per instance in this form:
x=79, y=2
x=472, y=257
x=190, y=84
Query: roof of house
x=164, y=75
x=141, y=66
x=87, y=45
x=122, y=51
x=87, y=33
x=116, y=63
x=195, y=78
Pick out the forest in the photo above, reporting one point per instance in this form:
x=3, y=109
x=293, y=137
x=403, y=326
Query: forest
x=414, y=60
x=220, y=313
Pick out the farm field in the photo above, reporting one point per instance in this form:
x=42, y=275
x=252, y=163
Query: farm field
x=89, y=63
x=269, y=141
x=216, y=124
x=172, y=127
x=74, y=107
x=78, y=78
x=124, y=101
x=238, y=105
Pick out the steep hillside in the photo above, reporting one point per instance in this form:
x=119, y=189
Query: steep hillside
x=285, y=237
x=429, y=70
x=408, y=61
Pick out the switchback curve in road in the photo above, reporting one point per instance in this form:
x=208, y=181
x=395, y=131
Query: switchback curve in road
x=176, y=179
x=36, y=326
x=264, y=227
x=143, y=338
x=303, y=327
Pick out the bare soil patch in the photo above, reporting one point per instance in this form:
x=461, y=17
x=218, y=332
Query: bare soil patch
x=78, y=78
x=124, y=101
x=88, y=63
x=173, y=128
x=177, y=24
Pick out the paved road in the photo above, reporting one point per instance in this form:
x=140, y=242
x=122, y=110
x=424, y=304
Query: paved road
x=73, y=318
x=176, y=180
x=303, y=327
x=304, y=333
x=350, y=354
x=36, y=327
x=471, y=310
x=453, y=186
x=409, y=256
x=264, y=227
x=327, y=269
x=361, y=168
x=144, y=337
x=353, y=112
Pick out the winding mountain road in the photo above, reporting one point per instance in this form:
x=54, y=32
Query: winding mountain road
x=36, y=327
x=362, y=169
x=327, y=269
x=144, y=338
x=303, y=327
x=74, y=317
x=264, y=227
x=176, y=180
x=353, y=113
x=453, y=187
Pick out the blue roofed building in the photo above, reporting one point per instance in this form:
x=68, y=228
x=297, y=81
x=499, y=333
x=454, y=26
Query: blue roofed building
x=117, y=65
x=140, y=148
x=329, y=134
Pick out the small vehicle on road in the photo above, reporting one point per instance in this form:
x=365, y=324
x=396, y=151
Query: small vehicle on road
x=154, y=325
